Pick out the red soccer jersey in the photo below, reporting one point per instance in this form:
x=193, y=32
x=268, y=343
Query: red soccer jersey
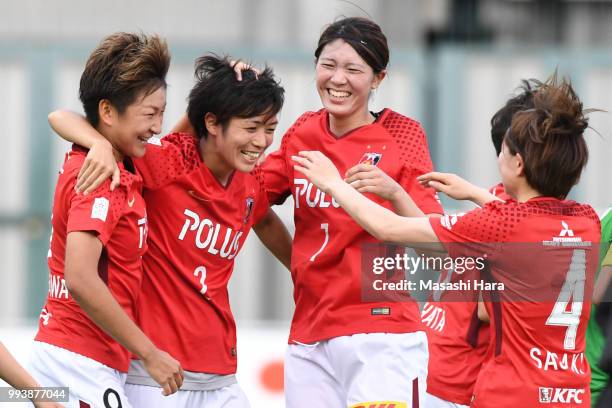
x=458, y=343
x=326, y=255
x=458, y=340
x=119, y=220
x=498, y=190
x=544, y=252
x=197, y=227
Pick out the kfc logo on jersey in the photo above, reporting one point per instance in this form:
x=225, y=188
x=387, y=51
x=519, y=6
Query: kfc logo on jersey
x=448, y=220
x=304, y=189
x=370, y=158
x=249, y=210
x=550, y=395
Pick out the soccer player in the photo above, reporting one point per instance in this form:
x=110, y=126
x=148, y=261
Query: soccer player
x=458, y=340
x=342, y=351
x=86, y=329
x=13, y=373
x=204, y=193
x=537, y=345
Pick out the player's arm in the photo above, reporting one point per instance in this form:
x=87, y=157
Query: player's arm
x=83, y=251
x=13, y=373
x=456, y=187
x=183, y=126
x=383, y=224
x=275, y=236
x=100, y=162
x=367, y=178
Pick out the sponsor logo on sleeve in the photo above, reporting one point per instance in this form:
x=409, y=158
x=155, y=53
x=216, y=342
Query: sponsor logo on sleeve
x=99, y=209
x=448, y=220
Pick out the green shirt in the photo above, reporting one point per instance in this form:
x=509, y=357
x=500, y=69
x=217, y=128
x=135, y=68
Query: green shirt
x=595, y=340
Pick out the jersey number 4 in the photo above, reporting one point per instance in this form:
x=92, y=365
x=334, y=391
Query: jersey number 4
x=573, y=288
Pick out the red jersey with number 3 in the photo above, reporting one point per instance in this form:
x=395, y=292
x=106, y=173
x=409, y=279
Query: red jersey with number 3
x=118, y=218
x=544, y=252
x=327, y=248
x=197, y=227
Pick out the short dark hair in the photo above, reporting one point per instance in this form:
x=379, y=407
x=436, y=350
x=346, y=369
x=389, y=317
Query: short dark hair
x=364, y=35
x=123, y=66
x=550, y=138
x=501, y=120
x=217, y=91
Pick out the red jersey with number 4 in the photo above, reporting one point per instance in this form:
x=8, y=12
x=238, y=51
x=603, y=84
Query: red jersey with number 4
x=197, y=227
x=543, y=253
x=327, y=248
x=118, y=218
x=457, y=339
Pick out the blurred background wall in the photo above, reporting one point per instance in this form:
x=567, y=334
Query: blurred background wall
x=453, y=63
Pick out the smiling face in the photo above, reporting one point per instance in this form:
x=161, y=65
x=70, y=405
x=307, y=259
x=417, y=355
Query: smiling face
x=344, y=80
x=129, y=131
x=239, y=144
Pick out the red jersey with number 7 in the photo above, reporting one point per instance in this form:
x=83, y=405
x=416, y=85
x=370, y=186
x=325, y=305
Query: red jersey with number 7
x=541, y=262
x=327, y=248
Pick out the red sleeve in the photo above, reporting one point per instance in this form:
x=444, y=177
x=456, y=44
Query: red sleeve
x=97, y=212
x=261, y=203
x=276, y=169
x=479, y=230
x=411, y=142
x=168, y=159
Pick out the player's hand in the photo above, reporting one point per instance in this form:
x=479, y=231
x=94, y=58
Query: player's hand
x=99, y=165
x=317, y=168
x=367, y=178
x=240, y=66
x=448, y=183
x=165, y=370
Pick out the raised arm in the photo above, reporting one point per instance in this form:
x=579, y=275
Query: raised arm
x=377, y=220
x=457, y=188
x=83, y=251
x=367, y=178
x=100, y=163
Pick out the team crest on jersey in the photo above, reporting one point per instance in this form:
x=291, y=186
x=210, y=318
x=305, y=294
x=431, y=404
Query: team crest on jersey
x=370, y=158
x=249, y=210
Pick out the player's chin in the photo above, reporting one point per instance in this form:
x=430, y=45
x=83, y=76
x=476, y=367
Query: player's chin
x=245, y=167
x=138, y=150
